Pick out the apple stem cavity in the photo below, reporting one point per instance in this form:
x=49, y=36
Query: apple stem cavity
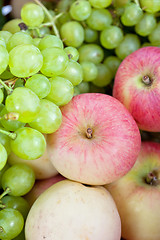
x=147, y=80
x=153, y=178
x=89, y=133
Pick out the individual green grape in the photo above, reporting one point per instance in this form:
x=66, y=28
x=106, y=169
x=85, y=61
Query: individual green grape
x=32, y=14
x=43, y=31
x=73, y=73
x=104, y=76
x=17, y=203
x=62, y=91
x=11, y=223
x=146, y=25
x=65, y=17
x=12, y=25
x=4, y=59
x=19, y=83
x=5, y=141
x=1, y=96
x=111, y=37
x=76, y=91
x=112, y=62
x=2, y=172
x=5, y=35
x=39, y=84
x=90, y=71
x=2, y=42
x=99, y=19
x=18, y=38
x=19, y=179
x=154, y=36
x=72, y=33
x=100, y=3
x=90, y=35
x=72, y=53
x=49, y=118
x=131, y=15
x=120, y=3
x=24, y=102
x=50, y=41
x=91, y=52
x=80, y=10
x=25, y=60
x=9, y=124
x=51, y=12
x=129, y=44
x=29, y=143
x=3, y=156
x=83, y=87
x=150, y=6
x=55, y=61
x=96, y=89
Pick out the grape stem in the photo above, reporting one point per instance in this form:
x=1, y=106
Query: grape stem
x=6, y=191
x=9, y=134
x=52, y=20
x=137, y=2
x=8, y=89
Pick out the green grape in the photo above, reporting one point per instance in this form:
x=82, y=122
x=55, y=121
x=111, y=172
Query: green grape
x=65, y=17
x=1, y=96
x=5, y=141
x=150, y=6
x=24, y=102
x=96, y=89
x=18, y=38
x=100, y=3
x=29, y=143
x=50, y=41
x=19, y=179
x=99, y=19
x=129, y=44
x=62, y=91
x=90, y=71
x=2, y=42
x=104, y=76
x=83, y=87
x=2, y=172
x=91, y=52
x=4, y=59
x=39, y=84
x=146, y=25
x=111, y=37
x=131, y=15
x=32, y=14
x=154, y=36
x=5, y=35
x=10, y=124
x=80, y=10
x=36, y=41
x=3, y=156
x=55, y=61
x=25, y=60
x=49, y=118
x=11, y=223
x=73, y=73
x=112, y=62
x=43, y=31
x=52, y=13
x=19, y=83
x=17, y=203
x=74, y=37
x=90, y=35
x=72, y=53
x=120, y=3
x=12, y=25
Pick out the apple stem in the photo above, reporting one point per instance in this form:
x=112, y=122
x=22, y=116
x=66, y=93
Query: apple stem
x=153, y=178
x=89, y=133
x=146, y=80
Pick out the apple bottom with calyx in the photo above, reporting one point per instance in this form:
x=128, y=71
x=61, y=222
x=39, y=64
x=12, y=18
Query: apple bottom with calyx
x=70, y=210
x=97, y=142
x=137, y=196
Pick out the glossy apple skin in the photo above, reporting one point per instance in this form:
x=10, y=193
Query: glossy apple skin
x=113, y=148
x=69, y=210
x=141, y=100
x=40, y=186
x=137, y=201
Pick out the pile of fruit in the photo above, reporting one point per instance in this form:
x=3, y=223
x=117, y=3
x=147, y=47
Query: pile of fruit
x=79, y=93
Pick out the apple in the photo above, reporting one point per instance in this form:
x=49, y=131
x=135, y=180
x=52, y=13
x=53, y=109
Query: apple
x=137, y=195
x=97, y=142
x=70, y=210
x=40, y=186
x=137, y=86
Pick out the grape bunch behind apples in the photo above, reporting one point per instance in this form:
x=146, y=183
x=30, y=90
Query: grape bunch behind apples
x=46, y=58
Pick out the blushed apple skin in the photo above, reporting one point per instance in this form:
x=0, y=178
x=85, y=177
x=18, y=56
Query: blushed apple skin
x=137, y=201
x=40, y=186
x=113, y=148
x=141, y=100
x=69, y=210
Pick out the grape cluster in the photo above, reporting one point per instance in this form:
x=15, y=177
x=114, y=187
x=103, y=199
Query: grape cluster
x=46, y=58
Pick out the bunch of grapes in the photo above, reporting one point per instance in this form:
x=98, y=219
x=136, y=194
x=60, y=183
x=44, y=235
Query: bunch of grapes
x=46, y=58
